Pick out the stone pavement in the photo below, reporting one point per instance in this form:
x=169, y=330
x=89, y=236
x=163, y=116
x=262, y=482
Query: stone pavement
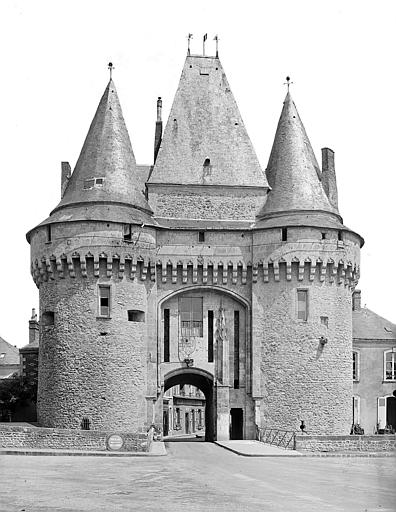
x=196, y=476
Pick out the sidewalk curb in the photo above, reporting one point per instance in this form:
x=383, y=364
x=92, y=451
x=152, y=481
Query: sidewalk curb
x=310, y=454
x=158, y=451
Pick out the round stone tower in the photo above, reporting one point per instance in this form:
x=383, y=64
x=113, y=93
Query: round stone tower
x=306, y=265
x=91, y=262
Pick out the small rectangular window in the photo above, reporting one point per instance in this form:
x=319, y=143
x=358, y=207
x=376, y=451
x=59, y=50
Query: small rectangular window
x=323, y=236
x=390, y=365
x=284, y=234
x=48, y=318
x=191, y=316
x=99, y=181
x=89, y=183
x=324, y=320
x=127, y=232
x=340, y=238
x=201, y=236
x=135, y=315
x=104, y=301
x=49, y=233
x=302, y=305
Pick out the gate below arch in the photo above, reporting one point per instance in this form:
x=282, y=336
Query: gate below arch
x=203, y=380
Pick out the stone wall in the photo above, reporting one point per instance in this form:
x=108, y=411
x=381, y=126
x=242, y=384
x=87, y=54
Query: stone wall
x=375, y=443
x=88, y=440
x=216, y=203
x=300, y=378
x=91, y=366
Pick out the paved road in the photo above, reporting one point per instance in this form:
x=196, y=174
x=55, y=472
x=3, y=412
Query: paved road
x=196, y=477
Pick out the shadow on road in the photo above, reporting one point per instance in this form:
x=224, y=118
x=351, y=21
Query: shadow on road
x=184, y=439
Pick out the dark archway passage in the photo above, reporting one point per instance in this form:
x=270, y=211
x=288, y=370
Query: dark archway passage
x=202, y=380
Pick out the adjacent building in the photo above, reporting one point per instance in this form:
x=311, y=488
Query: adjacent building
x=9, y=359
x=374, y=370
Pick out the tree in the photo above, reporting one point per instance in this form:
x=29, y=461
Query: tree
x=15, y=391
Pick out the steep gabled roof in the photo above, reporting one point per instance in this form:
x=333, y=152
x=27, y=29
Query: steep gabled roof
x=106, y=154
x=205, y=141
x=367, y=325
x=8, y=353
x=293, y=172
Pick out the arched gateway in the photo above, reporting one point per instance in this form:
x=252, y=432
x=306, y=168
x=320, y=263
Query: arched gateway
x=202, y=341
x=203, y=380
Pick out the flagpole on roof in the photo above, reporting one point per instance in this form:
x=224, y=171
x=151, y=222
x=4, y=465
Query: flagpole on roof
x=204, y=40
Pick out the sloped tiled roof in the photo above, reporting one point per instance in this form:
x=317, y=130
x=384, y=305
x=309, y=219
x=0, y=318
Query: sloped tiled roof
x=293, y=172
x=369, y=325
x=11, y=353
x=107, y=153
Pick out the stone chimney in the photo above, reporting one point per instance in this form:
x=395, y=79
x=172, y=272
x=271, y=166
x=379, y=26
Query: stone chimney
x=329, y=180
x=65, y=176
x=356, y=300
x=33, y=328
x=158, y=128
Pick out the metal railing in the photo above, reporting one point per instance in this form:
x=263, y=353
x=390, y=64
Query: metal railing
x=277, y=437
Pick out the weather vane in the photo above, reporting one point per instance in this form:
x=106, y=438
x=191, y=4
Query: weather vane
x=110, y=67
x=216, y=38
x=288, y=83
x=189, y=37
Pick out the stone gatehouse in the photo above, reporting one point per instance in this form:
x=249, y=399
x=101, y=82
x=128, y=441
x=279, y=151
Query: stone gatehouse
x=200, y=269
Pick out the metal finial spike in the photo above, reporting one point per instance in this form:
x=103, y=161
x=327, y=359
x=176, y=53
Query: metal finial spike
x=110, y=67
x=203, y=45
x=189, y=37
x=216, y=38
x=288, y=83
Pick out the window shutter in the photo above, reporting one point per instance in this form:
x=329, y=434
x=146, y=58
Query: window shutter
x=381, y=412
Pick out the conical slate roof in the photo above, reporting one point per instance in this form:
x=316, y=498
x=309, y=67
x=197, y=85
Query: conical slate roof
x=293, y=172
x=205, y=141
x=106, y=169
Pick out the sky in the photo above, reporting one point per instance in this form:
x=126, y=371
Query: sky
x=54, y=55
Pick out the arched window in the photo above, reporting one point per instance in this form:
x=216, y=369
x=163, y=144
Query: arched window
x=390, y=364
x=207, y=162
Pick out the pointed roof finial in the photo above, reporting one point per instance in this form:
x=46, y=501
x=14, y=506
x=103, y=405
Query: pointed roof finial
x=189, y=37
x=204, y=41
x=288, y=83
x=110, y=67
x=216, y=38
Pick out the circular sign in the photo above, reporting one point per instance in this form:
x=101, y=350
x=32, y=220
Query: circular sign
x=115, y=442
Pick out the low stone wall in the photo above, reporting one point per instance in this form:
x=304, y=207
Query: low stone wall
x=374, y=443
x=87, y=440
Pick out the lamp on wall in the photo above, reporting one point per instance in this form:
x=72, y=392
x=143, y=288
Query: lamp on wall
x=323, y=341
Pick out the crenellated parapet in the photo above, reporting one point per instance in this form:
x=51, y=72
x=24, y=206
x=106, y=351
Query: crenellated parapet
x=207, y=271
x=95, y=264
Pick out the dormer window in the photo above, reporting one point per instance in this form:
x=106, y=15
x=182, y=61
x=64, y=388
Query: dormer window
x=93, y=183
